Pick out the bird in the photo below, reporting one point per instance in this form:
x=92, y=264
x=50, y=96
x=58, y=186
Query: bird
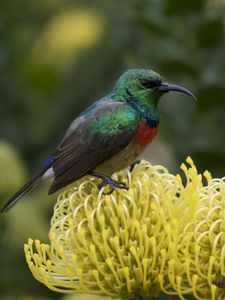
x=106, y=137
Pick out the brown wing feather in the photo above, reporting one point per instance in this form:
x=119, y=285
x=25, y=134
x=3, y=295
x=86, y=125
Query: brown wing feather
x=80, y=151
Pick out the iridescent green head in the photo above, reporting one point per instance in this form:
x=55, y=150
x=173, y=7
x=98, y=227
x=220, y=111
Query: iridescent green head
x=145, y=86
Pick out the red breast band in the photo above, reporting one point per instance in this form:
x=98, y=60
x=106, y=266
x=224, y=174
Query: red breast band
x=144, y=134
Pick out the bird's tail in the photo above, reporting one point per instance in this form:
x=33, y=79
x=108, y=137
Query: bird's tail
x=28, y=186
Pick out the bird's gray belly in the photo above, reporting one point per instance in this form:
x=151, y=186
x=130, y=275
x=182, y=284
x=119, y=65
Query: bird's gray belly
x=121, y=160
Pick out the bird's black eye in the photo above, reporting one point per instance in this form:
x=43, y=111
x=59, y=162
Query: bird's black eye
x=147, y=84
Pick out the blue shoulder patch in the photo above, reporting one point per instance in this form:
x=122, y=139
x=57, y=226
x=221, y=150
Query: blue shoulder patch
x=48, y=163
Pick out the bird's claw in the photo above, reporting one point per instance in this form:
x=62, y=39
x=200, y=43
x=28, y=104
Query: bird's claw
x=134, y=164
x=112, y=184
x=106, y=180
x=109, y=192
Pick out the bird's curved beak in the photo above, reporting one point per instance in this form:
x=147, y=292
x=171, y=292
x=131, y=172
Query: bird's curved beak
x=167, y=87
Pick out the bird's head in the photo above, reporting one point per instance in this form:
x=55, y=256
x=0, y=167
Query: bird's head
x=145, y=85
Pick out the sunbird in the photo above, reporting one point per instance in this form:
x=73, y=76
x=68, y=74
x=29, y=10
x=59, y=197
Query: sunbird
x=106, y=137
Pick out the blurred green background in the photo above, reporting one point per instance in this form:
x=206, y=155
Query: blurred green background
x=57, y=56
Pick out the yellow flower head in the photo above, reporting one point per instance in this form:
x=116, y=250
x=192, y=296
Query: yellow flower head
x=160, y=235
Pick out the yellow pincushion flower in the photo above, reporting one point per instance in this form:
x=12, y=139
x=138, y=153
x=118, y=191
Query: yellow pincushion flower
x=199, y=267
x=160, y=235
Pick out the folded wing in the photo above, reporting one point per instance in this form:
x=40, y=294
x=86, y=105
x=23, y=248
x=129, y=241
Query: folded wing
x=92, y=138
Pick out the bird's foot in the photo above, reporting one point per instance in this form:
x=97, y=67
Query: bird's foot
x=134, y=164
x=106, y=180
x=112, y=184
